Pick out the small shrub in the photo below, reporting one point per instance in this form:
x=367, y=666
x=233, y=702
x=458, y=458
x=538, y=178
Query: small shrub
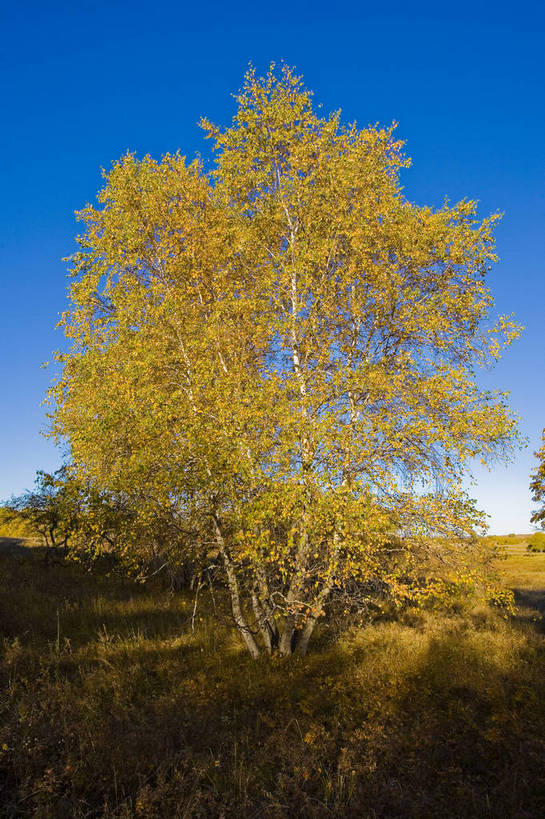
x=537, y=542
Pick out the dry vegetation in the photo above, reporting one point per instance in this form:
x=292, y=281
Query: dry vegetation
x=111, y=706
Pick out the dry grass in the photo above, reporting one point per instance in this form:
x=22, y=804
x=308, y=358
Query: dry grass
x=110, y=706
x=523, y=569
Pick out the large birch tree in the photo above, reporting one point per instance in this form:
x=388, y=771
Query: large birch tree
x=281, y=351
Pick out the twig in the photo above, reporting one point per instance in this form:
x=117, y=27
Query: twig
x=147, y=577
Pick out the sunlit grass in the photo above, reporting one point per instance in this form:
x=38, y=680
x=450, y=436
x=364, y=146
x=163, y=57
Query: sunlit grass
x=524, y=569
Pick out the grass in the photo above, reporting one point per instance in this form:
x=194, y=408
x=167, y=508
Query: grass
x=111, y=706
x=522, y=568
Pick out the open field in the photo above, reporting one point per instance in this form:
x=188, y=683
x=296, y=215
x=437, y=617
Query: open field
x=524, y=572
x=111, y=706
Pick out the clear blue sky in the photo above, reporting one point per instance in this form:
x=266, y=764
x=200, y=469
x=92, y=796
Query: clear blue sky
x=84, y=81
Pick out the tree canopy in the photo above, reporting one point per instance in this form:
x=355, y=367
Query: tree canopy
x=280, y=352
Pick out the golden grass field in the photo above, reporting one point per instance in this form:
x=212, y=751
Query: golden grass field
x=111, y=706
x=521, y=568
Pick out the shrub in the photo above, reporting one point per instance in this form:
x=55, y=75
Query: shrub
x=537, y=542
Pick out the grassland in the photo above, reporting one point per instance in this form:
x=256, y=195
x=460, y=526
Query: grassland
x=112, y=705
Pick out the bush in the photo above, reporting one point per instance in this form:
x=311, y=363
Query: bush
x=537, y=542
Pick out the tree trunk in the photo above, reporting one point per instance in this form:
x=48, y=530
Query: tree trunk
x=318, y=607
x=285, y=646
x=232, y=582
x=264, y=601
x=262, y=623
x=303, y=641
x=287, y=636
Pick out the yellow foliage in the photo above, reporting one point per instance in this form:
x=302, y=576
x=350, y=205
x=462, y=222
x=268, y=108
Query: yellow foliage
x=281, y=353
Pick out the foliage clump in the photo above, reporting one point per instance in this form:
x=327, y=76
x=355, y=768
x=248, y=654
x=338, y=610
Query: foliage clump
x=537, y=542
x=79, y=522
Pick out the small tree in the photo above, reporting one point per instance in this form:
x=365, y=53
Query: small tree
x=281, y=353
x=537, y=486
x=536, y=542
x=50, y=510
x=79, y=520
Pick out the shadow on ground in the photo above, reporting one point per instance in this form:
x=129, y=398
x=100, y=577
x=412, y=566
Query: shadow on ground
x=444, y=719
x=530, y=598
x=16, y=545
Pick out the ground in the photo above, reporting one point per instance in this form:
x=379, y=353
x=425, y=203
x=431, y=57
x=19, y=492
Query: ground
x=111, y=705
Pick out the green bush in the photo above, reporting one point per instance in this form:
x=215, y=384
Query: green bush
x=537, y=542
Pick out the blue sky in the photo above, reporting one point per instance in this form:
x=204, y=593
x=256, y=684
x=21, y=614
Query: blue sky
x=83, y=82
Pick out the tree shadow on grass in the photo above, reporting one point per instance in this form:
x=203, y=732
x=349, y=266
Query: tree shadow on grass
x=467, y=737
x=530, y=599
x=398, y=722
x=41, y=602
x=16, y=545
x=530, y=609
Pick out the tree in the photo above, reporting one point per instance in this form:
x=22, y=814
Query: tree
x=281, y=352
x=50, y=510
x=537, y=486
